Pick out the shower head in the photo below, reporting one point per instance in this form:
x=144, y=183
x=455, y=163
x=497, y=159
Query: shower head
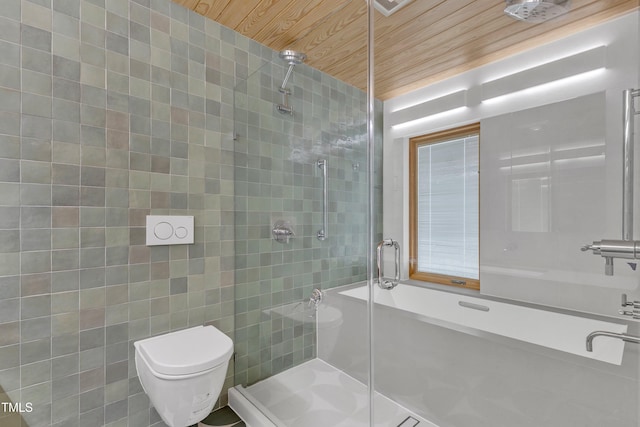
x=536, y=11
x=293, y=57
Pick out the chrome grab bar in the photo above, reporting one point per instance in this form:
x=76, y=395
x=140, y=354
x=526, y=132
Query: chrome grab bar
x=322, y=233
x=382, y=282
x=629, y=112
x=623, y=337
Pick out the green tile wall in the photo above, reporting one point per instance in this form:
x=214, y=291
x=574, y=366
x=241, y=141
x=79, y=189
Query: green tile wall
x=110, y=110
x=276, y=178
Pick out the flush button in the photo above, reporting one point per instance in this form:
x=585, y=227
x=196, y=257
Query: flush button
x=181, y=232
x=163, y=230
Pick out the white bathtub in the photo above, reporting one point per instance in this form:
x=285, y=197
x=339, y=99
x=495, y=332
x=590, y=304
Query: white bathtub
x=564, y=332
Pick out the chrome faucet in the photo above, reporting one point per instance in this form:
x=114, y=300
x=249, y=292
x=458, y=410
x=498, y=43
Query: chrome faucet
x=316, y=298
x=610, y=249
x=623, y=337
x=626, y=247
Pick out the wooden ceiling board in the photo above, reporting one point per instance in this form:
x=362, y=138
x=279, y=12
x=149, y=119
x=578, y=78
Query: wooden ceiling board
x=189, y=4
x=281, y=31
x=317, y=16
x=338, y=54
x=491, y=37
x=442, y=16
x=263, y=14
x=389, y=31
x=357, y=75
x=384, y=24
x=337, y=50
x=236, y=11
x=423, y=42
x=339, y=26
x=438, y=40
x=461, y=60
x=211, y=8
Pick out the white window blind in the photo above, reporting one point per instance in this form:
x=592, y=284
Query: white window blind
x=447, y=202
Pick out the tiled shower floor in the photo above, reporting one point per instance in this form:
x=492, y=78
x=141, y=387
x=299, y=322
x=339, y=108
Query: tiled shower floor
x=315, y=394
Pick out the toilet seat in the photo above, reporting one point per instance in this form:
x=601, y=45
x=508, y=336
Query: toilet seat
x=185, y=352
x=183, y=372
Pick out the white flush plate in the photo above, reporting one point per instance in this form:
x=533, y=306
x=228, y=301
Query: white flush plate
x=169, y=230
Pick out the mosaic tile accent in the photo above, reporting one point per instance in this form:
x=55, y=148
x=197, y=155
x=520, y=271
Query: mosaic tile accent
x=277, y=178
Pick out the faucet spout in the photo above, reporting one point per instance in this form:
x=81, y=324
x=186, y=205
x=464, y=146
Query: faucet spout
x=623, y=337
x=316, y=298
x=608, y=266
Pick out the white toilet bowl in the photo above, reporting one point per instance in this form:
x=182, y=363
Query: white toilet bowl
x=183, y=372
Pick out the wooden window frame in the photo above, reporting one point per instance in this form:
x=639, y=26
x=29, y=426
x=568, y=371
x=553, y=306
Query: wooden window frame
x=414, y=144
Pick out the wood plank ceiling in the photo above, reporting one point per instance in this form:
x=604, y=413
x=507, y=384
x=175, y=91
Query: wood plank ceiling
x=423, y=42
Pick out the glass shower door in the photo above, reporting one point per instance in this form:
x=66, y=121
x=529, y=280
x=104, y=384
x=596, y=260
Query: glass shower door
x=301, y=229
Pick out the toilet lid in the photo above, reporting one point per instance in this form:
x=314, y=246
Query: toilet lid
x=186, y=351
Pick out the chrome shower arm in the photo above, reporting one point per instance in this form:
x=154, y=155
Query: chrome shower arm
x=287, y=76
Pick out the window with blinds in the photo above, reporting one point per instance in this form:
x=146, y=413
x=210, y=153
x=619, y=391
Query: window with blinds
x=444, y=207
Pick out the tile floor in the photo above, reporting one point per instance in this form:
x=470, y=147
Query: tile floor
x=223, y=417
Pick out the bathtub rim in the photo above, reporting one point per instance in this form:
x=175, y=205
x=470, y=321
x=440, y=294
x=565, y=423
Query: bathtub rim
x=630, y=352
x=633, y=324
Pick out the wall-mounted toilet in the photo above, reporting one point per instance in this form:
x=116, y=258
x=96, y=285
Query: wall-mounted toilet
x=183, y=372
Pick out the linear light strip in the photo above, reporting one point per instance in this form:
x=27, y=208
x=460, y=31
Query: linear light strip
x=549, y=86
x=580, y=63
x=428, y=118
x=423, y=110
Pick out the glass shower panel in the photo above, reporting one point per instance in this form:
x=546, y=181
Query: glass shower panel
x=525, y=349
x=283, y=270
x=271, y=276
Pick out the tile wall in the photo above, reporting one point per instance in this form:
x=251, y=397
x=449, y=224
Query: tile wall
x=110, y=110
x=277, y=179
